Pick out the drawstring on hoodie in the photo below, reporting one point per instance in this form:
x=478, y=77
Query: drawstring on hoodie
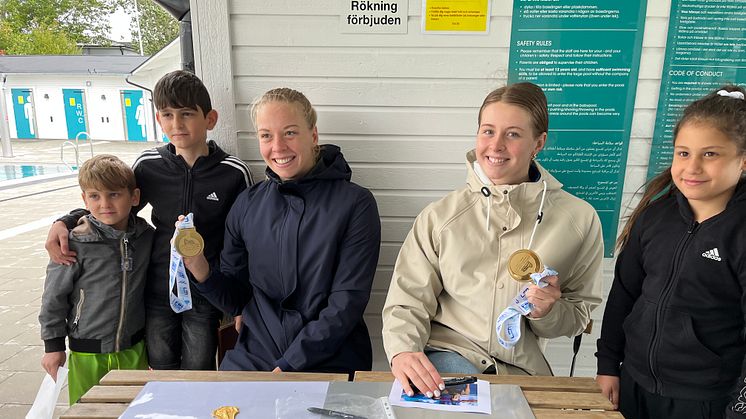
x=539, y=215
x=486, y=192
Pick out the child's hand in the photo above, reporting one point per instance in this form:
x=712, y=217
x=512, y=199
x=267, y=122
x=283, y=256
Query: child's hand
x=52, y=361
x=198, y=266
x=57, y=246
x=609, y=388
x=237, y=324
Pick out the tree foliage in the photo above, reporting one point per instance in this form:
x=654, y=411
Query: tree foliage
x=158, y=27
x=40, y=41
x=30, y=27
x=53, y=26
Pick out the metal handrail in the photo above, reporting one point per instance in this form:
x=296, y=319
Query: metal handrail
x=88, y=136
x=62, y=154
x=76, y=147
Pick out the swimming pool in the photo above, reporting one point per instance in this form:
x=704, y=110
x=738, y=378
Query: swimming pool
x=20, y=171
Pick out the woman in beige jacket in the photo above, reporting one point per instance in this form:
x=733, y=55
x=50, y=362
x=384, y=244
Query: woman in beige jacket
x=451, y=279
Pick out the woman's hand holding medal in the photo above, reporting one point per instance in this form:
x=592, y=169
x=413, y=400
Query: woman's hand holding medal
x=521, y=265
x=543, y=298
x=535, y=299
x=190, y=245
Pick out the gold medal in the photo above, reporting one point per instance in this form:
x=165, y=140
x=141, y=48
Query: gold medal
x=188, y=242
x=225, y=412
x=522, y=263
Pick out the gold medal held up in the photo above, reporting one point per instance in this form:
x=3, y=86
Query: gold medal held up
x=522, y=263
x=188, y=242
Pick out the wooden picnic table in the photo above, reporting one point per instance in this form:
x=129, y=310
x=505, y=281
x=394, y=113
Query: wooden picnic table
x=548, y=397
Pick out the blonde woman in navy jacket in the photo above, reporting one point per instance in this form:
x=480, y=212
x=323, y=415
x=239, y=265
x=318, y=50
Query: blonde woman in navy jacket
x=300, y=252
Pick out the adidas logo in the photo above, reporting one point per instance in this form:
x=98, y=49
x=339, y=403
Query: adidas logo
x=712, y=254
x=213, y=197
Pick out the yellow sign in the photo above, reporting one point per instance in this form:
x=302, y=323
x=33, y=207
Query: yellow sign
x=456, y=15
x=72, y=101
x=127, y=102
x=20, y=100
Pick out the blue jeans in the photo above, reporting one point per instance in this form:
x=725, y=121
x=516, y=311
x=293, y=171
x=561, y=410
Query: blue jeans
x=450, y=362
x=187, y=340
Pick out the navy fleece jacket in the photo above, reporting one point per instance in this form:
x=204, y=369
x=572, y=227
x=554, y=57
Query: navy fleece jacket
x=298, y=263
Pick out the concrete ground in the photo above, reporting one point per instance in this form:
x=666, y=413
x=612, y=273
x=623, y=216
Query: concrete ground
x=27, y=209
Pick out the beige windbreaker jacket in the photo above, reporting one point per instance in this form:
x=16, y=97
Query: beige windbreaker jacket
x=451, y=282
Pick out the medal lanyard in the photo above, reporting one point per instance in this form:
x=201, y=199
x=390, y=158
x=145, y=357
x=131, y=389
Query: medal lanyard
x=539, y=215
x=179, y=293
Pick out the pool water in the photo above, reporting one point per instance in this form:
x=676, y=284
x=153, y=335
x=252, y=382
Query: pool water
x=19, y=171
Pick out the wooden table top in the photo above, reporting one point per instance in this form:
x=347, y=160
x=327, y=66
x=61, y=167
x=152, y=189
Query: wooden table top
x=548, y=397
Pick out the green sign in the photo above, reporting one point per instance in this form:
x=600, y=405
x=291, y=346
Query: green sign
x=585, y=54
x=705, y=49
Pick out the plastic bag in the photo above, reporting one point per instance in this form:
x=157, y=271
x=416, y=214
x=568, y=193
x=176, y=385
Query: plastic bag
x=355, y=404
x=46, y=398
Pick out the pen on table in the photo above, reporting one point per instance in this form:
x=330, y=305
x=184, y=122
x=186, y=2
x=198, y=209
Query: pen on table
x=460, y=381
x=448, y=382
x=334, y=413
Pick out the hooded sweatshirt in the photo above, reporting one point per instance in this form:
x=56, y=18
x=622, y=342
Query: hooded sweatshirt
x=451, y=280
x=298, y=263
x=675, y=315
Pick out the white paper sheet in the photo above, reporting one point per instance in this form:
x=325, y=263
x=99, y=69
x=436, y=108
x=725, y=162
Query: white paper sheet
x=191, y=399
x=46, y=398
x=473, y=398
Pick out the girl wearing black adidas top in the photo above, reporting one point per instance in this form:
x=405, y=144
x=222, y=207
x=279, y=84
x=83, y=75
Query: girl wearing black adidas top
x=672, y=342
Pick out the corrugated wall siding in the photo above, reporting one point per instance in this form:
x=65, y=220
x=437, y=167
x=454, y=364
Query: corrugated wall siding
x=403, y=107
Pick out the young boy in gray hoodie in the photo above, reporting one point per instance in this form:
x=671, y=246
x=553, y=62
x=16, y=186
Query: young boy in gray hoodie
x=98, y=301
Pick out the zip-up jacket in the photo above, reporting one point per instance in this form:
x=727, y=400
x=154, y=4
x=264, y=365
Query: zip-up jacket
x=98, y=302
x=675, y=315
x=451, y=280
x=298, y=262
x=207, y=189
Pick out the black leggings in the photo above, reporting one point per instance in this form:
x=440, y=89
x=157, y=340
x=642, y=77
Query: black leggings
x=637, y=403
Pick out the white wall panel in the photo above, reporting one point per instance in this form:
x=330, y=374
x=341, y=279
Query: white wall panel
x=373, y=149
x=11, y=116
x=651, y=63
x=405, y=203
x=373, y=91
x=656, y=31
x=352, y=61
x=312, y=31
x=643, y=120
x=49, y=113
x=105, y=116
x=388, y=120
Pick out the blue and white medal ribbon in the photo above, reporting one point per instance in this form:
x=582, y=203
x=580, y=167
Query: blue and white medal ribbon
x=510, y=319
x=179, y=293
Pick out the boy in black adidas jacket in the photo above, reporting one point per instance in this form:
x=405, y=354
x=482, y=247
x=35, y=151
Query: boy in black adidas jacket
x=193, y=175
